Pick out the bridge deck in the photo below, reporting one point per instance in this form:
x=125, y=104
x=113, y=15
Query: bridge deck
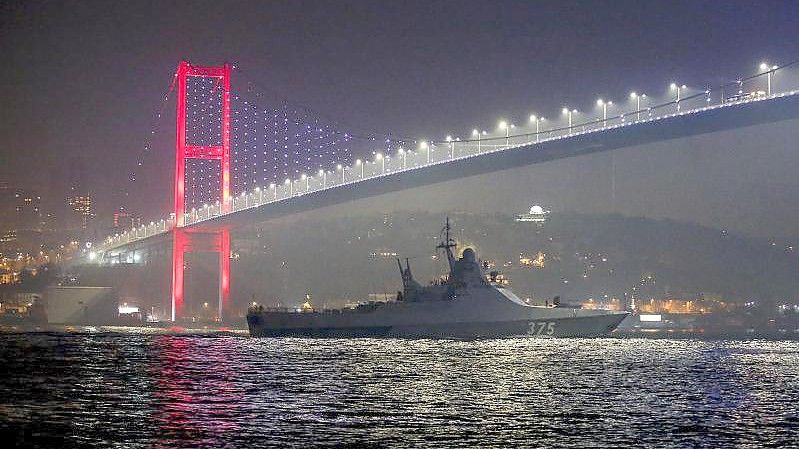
x=700, y=121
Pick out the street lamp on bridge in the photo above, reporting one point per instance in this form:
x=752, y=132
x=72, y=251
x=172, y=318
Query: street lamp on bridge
x=424, y=146
x=478, y=134
x=568, y=112
x=604, y=105
x=404, y=154
x=503, y=125
x=379, y=157
x=678, y=88
x=637, y=97
x=537, y=120
x=770, y=70
x=451, y=146
x=358, y=162
x=323, y=174
x=341, y=169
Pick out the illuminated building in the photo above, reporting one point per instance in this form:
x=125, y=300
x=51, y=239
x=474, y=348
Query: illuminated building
x=539, y=261
x=79, y=200
x=125, y=220
x=681, y=306
x=537, y=214
x=8, y=277
x=27, y=208
x=81, y=206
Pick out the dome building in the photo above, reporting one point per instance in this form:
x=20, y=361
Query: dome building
x=537, y=214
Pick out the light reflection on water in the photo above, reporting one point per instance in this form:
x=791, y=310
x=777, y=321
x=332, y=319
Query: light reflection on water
x=138, y=390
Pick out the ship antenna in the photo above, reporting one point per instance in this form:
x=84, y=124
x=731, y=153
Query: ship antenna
x=448, y=244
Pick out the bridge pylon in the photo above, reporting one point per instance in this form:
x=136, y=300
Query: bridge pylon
x=183, y=240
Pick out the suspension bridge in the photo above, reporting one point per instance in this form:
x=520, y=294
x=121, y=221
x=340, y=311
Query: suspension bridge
x=235, y=166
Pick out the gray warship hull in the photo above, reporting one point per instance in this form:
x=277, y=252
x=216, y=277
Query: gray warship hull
x=562, y=327
x=494, y=313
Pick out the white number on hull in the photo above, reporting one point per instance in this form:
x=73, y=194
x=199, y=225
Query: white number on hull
x=542, y=328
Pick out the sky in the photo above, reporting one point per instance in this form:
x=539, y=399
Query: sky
x=87, y=78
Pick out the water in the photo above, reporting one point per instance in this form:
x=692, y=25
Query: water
x=138, y=390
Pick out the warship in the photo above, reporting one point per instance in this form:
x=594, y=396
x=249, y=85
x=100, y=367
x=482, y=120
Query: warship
x=469, y=302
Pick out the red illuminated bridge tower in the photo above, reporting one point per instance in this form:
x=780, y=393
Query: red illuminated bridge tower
x=186, y=241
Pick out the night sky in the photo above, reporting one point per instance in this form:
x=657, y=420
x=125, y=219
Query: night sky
x=87, y=78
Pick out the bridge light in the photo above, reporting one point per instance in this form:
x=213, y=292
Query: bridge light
x=92, y=255
x=604, y=104
x=448, y=138
x=379, y=157
x=288, y=181
x=303, y=176
x=537, y=120
x=476, y=133
x=678, y=88
x=272, y=185
x=504, y=126
x=566, y=111
x=635, y=96
x=257, y=189
x=321, y=172
x=765, y=68
x=359, y=163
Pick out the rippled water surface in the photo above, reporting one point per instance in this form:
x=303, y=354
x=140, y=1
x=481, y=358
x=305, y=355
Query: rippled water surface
x=134, y=390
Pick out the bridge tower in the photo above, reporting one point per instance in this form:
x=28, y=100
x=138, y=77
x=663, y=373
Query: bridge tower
x=185, y=241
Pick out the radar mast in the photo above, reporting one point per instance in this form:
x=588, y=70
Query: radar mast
x=447, y=245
